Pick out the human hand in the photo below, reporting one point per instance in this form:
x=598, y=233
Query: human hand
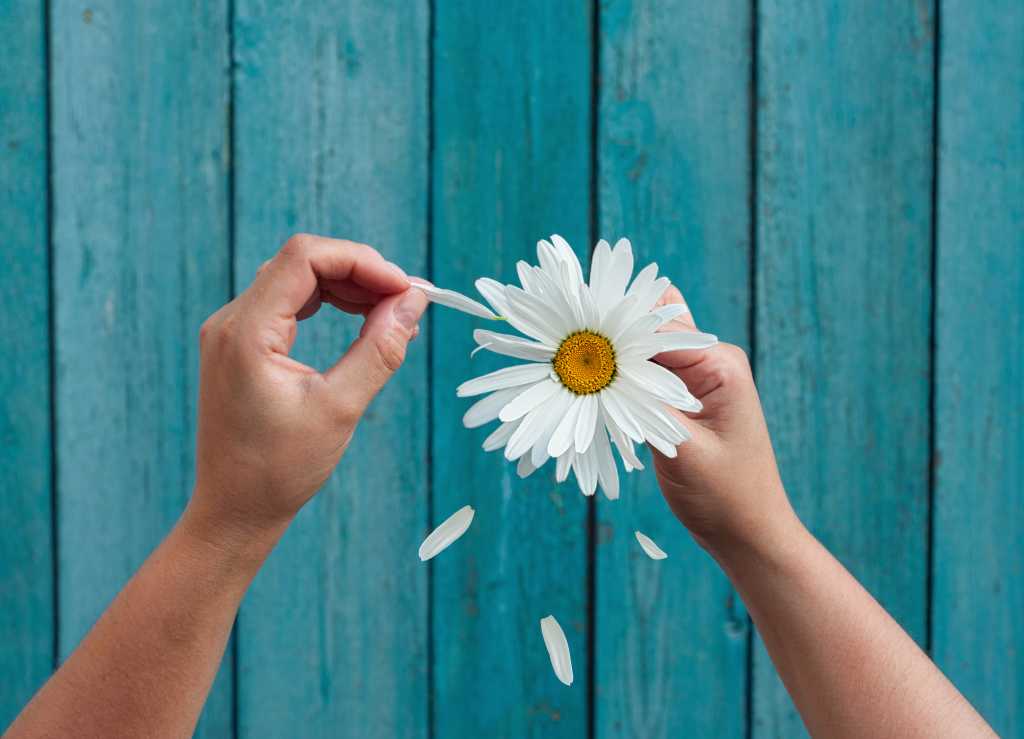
x=271, y=429
x=723, y=484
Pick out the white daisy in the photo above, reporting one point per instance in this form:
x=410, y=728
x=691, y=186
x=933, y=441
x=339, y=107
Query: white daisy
x=588, y=383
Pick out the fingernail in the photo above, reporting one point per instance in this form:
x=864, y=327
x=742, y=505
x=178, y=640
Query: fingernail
x=397, y=270
x=409, y=308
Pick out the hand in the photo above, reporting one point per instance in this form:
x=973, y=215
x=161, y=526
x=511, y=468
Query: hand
x=723, y=484
x=271, y=429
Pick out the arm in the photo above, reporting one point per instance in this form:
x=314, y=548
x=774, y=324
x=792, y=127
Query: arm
x=271, y=431
x=849, y=667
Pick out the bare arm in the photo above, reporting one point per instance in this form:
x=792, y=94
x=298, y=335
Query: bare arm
x=271, y=431
x=849, y=667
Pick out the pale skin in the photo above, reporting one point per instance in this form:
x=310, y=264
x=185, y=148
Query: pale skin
x=271, y=431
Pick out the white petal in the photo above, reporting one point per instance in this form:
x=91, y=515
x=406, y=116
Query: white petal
x=665, y=341
x=500, y=436
x=557, y=407
x=529, y=399
x=565, y=432
x=586, y=423
x=563, y=465
x=487, y=408
x=651, y=294
x=621, y=269
x=536, y=318
x=607, y=473
x=494, y=293
x=443, y=536
x=585, y=466
x=644, y=279
x=513, y=346
x=529, y=431
x=670, y=312
x=651, y=549
x=568, y=257
x=629, y=459
x=617, y=408
x=619, y=317
x=558, y=649
x=661, y=383
x=519, y=374
x=452, y=299
x=525, y=467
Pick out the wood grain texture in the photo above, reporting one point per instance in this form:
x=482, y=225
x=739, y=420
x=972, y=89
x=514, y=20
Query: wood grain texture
x=140, y=259
x=511, y=165
x=978, y=575
x=331, y=137
x=843, y=291
x=26, y=547
x=674, y=165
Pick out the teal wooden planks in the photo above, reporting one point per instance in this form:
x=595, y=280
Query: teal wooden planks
x=844, y=176
x=140, y=259
x=674, y=163
x=978, y=560
x=331, y=137
x=26, y=547
x=511, y=165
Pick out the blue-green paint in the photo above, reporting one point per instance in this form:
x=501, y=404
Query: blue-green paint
x=26, y=551
x=140, y=97
x=674, y=176
x=978, y=558
x=331, y=137
x=844, y=177
x=511, y=165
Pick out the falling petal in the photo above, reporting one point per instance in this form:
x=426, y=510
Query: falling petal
x=443, y=536
x=558, y=649
x=651, y=549
x=458, y=301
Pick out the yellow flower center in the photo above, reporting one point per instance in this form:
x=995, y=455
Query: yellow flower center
x=585, y=362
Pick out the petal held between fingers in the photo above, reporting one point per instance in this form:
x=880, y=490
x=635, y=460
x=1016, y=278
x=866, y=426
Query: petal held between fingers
x=455, y=300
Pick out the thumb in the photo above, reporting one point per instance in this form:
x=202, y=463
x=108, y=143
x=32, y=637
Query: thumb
x=379, y=351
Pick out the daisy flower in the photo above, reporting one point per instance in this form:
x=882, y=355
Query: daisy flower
x=588, y=383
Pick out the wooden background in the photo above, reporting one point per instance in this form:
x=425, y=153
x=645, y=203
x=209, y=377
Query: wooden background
x=837, y=186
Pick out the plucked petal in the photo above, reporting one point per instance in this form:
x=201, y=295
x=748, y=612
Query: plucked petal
x=452, y=299
x=558, y=649
x=443, y=536
x=651, y=549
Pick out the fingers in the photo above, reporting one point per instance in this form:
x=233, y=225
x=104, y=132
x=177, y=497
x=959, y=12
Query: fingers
x=682, y=358
x=287, y=285
x=378, y=352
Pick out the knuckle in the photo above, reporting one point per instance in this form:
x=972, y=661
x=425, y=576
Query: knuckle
x=731, y=364
x=298, y=245
x=390, y=351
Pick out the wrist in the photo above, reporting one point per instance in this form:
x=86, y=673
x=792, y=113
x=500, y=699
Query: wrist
x=757, y=536
x=243, y=543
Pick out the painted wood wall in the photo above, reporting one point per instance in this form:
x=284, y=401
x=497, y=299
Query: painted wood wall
x=838, y=187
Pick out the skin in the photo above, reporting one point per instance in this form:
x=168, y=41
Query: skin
x=849, y=667
x=271, y=431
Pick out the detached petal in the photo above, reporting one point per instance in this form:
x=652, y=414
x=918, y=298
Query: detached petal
x=558, y=649
x=443, y=536
x=651, y=549
x=458, y=301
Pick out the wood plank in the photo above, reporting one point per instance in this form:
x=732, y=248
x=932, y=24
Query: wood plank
x=26, y=547
x=511, y=165
x=843, y=291
x=978, y=575
x=331, y=137
x=674, y=158
x=141, y=258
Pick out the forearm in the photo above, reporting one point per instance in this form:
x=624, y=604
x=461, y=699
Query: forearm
x=147, y=665
x=850, y=668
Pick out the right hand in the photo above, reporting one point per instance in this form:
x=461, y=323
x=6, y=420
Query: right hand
x=271, y=429
x=723, y=484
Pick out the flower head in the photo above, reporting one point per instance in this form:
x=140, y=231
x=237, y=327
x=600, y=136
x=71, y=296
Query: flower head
x=588, y=383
